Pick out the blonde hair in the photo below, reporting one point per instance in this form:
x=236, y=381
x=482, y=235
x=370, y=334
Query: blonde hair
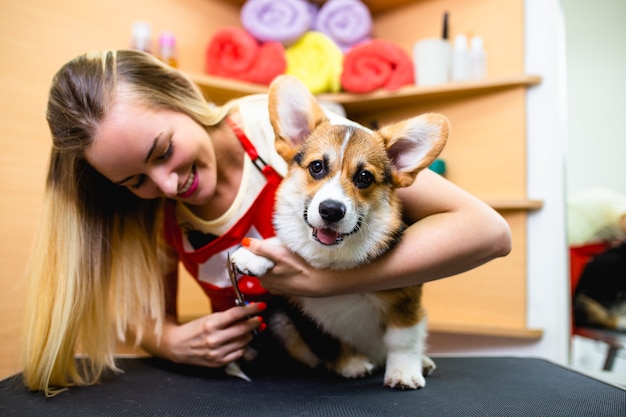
x=95, y=267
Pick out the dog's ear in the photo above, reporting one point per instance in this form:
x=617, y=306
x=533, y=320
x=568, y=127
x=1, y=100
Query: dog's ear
x=413, y=144
x=294, y=114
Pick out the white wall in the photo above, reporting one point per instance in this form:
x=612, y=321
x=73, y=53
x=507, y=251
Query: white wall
x=548, y=283
x=596, y=89
x=596, y=84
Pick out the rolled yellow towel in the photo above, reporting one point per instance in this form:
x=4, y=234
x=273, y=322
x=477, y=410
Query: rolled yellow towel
x=317, y=61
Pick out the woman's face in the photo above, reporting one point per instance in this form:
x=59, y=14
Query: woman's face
x=155, y=153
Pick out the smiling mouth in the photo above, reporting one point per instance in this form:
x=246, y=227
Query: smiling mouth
x=327, y=236
x=190, y=185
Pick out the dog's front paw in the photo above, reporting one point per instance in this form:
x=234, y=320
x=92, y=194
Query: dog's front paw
x=248, y=263
x=405, y=377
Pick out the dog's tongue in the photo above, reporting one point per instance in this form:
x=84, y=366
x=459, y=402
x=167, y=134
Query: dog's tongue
x=327, y=236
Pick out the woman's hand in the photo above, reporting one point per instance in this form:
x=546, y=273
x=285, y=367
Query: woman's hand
x=213, y=341
x=291, y=274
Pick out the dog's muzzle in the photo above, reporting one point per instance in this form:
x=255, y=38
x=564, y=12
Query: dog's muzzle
x=331, y=212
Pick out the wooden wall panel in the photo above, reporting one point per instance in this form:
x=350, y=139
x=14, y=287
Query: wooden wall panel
x=492, y=295
x=486, y=150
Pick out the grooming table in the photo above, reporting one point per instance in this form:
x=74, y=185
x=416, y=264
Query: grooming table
x=501, y=386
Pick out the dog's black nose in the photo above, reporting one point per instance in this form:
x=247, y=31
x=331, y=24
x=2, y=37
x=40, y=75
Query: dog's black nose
x=332, y=211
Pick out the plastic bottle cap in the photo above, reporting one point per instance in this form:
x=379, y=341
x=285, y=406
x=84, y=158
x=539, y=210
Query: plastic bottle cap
x=460, y=42
x=438, y=166
x=167, y=38
x=477, y=43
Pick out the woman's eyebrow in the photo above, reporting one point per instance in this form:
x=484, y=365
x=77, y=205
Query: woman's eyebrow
x=155, y=142
x=152, y=148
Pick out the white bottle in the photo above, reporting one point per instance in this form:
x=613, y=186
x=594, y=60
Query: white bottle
x=142, y=37
x=460, y=59
x=478, y=59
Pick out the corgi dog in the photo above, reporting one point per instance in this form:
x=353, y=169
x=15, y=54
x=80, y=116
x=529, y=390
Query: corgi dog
x=336, y=208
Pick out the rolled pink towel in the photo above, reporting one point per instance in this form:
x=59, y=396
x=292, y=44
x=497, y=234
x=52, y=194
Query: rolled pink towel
x=376, y=64
x=234, y=53
x=347, y=22
x=281, y=21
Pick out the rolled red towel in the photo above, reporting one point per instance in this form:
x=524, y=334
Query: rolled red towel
x=234, y=53
x=376, y=64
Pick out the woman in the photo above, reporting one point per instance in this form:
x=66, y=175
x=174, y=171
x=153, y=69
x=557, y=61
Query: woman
x=144, y=173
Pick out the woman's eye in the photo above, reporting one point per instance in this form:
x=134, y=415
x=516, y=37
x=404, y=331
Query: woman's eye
x=140, y=180
x=168, y=152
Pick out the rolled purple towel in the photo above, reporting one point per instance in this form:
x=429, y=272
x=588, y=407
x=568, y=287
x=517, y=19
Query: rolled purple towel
x=347, y=22
x=283, y=21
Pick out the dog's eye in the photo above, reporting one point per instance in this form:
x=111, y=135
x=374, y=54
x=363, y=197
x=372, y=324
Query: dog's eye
x=363, y=179
x=317, y=169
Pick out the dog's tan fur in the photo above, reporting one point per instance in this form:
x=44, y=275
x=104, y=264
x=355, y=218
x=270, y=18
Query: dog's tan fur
x=350, y=172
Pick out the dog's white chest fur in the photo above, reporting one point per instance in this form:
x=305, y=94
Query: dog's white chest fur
x=353, y=318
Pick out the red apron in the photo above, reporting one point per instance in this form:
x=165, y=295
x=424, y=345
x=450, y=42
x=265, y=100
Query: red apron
x=257, y=221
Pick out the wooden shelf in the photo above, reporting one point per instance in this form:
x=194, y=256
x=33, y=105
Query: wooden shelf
x=356, y=104
x=220, y=90
x=527, y=205
x=486, y=330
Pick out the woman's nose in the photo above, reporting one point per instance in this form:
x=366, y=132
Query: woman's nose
x=167, y=182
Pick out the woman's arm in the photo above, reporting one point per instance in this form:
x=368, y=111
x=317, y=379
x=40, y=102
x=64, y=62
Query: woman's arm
x=453, y=232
